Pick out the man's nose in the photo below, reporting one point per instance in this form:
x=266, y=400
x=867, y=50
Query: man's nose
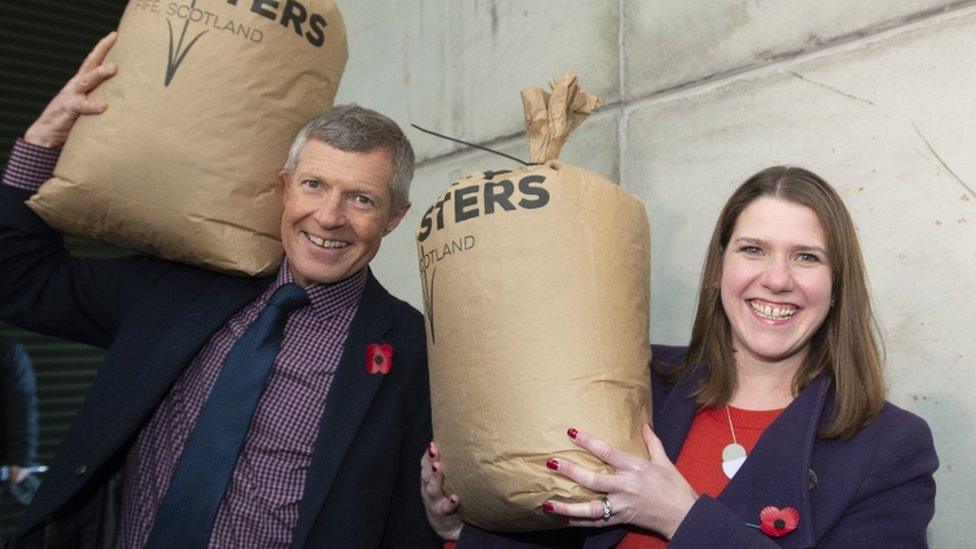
x=330, y=212
x=778, y=275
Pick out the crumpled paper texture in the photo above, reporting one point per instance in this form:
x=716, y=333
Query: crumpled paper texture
x=551, y=117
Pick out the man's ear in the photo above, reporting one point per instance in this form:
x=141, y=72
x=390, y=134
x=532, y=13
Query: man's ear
x=283, y=176
x=395, y=218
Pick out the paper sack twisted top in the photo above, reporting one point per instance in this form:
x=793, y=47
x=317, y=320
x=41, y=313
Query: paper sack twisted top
x=550, y=118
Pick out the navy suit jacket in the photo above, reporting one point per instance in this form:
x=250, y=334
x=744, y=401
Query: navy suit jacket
x=872, y=490
x=18, y=405
x=153, y=316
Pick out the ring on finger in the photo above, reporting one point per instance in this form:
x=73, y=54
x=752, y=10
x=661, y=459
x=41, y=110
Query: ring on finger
x=607, y=509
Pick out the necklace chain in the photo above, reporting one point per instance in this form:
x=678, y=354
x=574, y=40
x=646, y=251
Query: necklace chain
x=728, y=414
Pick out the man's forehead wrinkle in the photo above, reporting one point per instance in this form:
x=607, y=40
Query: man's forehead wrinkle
x=319, y=166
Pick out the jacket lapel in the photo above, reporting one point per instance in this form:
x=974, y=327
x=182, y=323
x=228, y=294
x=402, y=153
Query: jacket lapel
x=679, y=408
x=776, y=472
x=192, y=326
x=348, y=401
x=126, y=393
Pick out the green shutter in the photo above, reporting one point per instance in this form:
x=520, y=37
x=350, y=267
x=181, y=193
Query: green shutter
x=42, y=43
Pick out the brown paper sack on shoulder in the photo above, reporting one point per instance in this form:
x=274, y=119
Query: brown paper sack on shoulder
x=535, y=284
x=207, y=99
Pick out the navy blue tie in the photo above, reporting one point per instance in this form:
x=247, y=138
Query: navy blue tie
x=186, y=516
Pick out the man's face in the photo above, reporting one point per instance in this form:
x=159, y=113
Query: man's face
x=338, y=207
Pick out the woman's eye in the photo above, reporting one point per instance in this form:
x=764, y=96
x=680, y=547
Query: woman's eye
x=751, y=250
x=809, y=258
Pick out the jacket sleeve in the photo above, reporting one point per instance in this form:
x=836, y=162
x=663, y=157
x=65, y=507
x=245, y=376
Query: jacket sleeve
x=473, y=537
x=406, y=524
x=891, y=508
x=45, y=290
x=896, y=501
x=712, y=524
x=19, y=407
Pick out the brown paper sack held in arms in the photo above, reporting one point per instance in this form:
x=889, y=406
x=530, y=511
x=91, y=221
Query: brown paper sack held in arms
x=208, y=96
x=535, y=284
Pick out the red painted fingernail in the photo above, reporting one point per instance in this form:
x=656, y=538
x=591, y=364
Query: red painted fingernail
x=573, y=433
x=547, y=506
x=552, y=464
x=433, y=467
x=430, y=451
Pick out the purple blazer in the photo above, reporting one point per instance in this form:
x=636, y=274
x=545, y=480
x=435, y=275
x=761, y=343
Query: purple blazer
x=873, y=490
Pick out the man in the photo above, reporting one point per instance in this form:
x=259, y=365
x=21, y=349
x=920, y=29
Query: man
x=327, y=446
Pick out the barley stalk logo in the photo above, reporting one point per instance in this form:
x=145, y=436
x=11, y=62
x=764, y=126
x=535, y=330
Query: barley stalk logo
x=428, y=289
x=176, y=57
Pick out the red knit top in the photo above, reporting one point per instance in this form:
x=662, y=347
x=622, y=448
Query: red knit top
x=700, y=459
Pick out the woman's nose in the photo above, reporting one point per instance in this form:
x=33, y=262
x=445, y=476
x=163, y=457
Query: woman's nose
x=778, y=275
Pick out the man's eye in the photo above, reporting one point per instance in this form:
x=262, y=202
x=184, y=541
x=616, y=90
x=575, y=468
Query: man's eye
x=311, y=183
x=363, y=200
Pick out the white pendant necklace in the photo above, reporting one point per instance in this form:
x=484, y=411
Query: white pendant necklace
x=734, y=454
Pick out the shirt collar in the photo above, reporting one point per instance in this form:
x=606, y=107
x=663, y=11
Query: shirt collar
x=325, y=299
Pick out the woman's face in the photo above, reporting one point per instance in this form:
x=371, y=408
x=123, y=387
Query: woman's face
x=776, y=281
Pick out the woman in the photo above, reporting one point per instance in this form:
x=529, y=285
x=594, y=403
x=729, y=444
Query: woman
x=784, y=368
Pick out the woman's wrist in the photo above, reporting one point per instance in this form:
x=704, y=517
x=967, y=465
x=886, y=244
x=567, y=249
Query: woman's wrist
x=681, y=512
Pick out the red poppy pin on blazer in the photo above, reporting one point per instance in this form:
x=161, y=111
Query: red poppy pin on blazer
x=379, y=358
x=776, y=522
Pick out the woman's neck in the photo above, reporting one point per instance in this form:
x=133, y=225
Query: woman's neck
x=762, y=385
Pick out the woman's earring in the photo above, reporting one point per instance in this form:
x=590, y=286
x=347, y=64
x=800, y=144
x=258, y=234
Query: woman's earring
x=832, y=301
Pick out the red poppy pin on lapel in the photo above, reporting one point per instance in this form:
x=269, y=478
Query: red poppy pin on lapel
x=775, y=522
x=379, y=358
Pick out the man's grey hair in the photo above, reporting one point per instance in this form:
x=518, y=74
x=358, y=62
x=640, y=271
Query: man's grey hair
x=358, y=129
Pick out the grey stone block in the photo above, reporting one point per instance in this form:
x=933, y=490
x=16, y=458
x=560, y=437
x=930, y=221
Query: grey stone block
x=670, y=43
x=457, y=67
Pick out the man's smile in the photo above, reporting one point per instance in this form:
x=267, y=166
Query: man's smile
x=325, y=243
